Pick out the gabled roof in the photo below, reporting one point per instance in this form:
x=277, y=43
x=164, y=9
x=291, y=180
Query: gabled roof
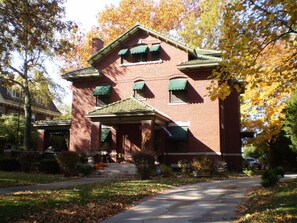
x=84, y=72
x=129, y=107
x=50, y=108
x=126, y=35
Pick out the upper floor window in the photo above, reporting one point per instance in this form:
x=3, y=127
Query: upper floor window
x=155, y=52
x=15, y=93
x=178, y=90
x=124, y=54
x=139, y=53
x=102, y=94
x=139, y=89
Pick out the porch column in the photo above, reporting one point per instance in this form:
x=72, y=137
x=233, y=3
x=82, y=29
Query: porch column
x=40, y=142
x=95, y=133
x=147, y=135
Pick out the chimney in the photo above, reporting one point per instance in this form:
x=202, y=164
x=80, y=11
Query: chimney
x=97, y=44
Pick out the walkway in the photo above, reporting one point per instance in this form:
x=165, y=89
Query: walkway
x=203, y=202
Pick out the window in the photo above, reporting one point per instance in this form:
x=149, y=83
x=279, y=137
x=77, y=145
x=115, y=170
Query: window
x=139, y=90
x=178, y=138
x=139, y=53
x=124, y=54
x=178, y=90
x=155, y=52
x=102, y=94
x=15, y=93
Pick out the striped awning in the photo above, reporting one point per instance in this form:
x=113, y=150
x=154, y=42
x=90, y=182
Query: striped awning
x=103, y=90
x=139, y=85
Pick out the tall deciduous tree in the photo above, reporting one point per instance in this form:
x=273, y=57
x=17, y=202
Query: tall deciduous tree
x=30, y=32
x=251, y=29
x=290, y=123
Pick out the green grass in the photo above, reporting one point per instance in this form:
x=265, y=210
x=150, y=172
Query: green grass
x=10, y=179
x=277, y=204
x=84, y=203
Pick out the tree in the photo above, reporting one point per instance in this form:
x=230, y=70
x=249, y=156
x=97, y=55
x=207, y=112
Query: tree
x=30, y=32
x=204, y=30
x=290, y=124
x=251, y=29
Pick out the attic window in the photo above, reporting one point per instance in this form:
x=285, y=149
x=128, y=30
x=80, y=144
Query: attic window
x=139, y=53
x=155, y=52
x=124, y=54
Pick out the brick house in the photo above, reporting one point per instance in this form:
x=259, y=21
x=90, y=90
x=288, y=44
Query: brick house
x=146, y=91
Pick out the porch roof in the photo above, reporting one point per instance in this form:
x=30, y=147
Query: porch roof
x=127, y=111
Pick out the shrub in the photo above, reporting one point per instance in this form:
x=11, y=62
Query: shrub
x=68, y=161
x=49, y=165
x=219, y=166
x=279, y=171
x=144, y=162
x=166, y=171
x=185, y=167
x=27, y=159
x=9, y=164
x=202, y=164
x=269, y=178
x=84, y=169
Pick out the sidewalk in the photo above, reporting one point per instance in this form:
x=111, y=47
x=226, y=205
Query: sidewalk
x=55, y=185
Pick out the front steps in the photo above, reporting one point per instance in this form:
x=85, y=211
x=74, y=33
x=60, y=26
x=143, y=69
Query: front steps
x=115, y=170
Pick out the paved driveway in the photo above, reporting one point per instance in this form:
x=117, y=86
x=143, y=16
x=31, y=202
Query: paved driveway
x=203, y=202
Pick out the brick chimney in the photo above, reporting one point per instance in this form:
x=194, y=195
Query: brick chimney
x=97, y=44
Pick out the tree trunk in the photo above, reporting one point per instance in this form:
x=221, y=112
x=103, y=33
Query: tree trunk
x=28, y=117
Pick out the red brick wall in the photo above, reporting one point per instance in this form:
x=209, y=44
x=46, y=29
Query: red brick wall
x=201, y=113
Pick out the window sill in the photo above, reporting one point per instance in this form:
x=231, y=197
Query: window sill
x=141, y=63
x=177, y=103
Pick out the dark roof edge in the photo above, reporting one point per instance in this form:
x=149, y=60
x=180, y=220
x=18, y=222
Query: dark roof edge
x=81, y=73
x=133, y=30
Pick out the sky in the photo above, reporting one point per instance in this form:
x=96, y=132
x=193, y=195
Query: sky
x=84, y=14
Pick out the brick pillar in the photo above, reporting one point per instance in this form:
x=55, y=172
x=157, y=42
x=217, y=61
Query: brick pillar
x=95, y=136
x=147, y=135
x=40, y=142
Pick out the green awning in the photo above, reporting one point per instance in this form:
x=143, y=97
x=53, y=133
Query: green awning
x=177, y=84
x=139, y=85
x=104, y=134
x=155, y=48
x=123, y=52
x=178, y=133
x=139, y=49
x=103, y=90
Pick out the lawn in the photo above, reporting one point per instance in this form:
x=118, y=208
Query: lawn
x=9, y=179
x=277, y=204
x=89, y=203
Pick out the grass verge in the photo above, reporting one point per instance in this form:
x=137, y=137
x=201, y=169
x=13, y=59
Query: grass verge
x=276, y=204
x=10, y=179
x=90, y=203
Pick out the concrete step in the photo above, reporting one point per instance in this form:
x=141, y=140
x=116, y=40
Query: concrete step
x=113, y=170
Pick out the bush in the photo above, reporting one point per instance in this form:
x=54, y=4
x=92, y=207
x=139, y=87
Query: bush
x=166, y=171
x=9, y=164
x=269, y=178
x=27, y=159
x=68, y=161
x=185, y=167
x=219, y=166
x=279, y=171
x=49, y=166
x=85, y=169
x=144, y=162
x=202, y=164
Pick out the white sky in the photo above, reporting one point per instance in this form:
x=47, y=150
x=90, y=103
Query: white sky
x=84, y=14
